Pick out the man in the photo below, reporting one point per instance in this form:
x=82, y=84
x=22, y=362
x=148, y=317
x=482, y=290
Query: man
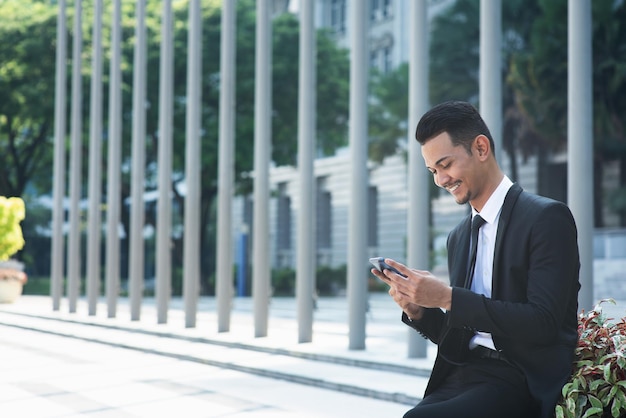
x=506, y=326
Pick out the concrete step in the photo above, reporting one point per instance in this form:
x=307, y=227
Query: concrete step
x=384, y=379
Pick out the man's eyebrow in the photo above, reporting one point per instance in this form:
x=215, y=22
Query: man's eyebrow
x=442, y=159
x=438, y=162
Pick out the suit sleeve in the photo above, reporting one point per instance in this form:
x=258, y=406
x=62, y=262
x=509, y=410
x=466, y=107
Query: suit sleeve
x=430, y=325
x=544, y=262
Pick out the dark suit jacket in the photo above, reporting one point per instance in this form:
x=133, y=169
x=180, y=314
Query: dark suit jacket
x=532, y=314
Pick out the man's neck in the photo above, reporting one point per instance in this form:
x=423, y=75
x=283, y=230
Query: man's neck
x=490, y=187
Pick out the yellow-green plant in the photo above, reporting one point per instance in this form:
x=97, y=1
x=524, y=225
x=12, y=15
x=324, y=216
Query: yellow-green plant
x=597, y=388
x=12, y=212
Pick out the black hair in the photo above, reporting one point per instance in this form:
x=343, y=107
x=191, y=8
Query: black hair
x=459, y=119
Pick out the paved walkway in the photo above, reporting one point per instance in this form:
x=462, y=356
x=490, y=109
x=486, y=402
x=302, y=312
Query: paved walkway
x=69, y=365
x=76, y=365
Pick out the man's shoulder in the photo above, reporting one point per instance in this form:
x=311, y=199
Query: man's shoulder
x=462, y=225
x=530, y=208
x=528, y=201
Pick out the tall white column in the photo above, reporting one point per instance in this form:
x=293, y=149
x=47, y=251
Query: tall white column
x=191, y=256
x=138, y=166
x=418, y=233
x=357, y=227
x=305, y=271
x=491, y=69
x=580, y=139
x=164, y=203
x=262, y=153
x=76, y=128
x=95, y=161
x=58, y=177
x=226, y=167
x=112, y=281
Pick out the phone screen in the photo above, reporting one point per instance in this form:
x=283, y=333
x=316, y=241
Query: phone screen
x=379, y=263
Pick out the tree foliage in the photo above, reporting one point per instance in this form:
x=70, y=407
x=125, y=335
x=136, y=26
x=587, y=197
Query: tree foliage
x=27, y=58
x=454, y=54
x=539, y=80
x=388, y=110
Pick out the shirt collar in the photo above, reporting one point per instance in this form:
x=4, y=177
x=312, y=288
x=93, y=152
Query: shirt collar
x=494, y=203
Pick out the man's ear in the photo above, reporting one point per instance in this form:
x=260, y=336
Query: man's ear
x=482, y=147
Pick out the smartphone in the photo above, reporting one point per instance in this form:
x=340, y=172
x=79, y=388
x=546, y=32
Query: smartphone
x=379, y=263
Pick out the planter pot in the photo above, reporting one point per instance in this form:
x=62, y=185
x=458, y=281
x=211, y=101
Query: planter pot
x=10, y=290
x=12, y=279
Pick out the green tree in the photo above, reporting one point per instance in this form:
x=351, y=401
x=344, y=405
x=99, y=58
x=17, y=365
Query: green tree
x=539, y=81
x=27, y=79
x=388, y=111
x=27, y=60
x=454, y=66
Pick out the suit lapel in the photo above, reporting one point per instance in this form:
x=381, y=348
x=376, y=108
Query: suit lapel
x=503, y=223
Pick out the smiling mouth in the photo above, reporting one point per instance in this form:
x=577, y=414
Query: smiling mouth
x=452, y=188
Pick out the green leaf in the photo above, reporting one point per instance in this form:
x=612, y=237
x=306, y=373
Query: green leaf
x=559, y=412
x=616, y=408
x=584, y=363
x=604, y=359
x=570, y=404
x=591, y=412
x=607, y=373
x=612, y=393
x=594, y=385
x=595, y=402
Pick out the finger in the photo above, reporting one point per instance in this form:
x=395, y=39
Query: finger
x=380, y=275
x=401, y=267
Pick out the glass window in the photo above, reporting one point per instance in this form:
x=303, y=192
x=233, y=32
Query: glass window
x=372, y=216
x=386, y=12
x=387, y=60
x=283, y=223
x=324, y=219
x=338, y=15
x=374, y=10
x=374, y=59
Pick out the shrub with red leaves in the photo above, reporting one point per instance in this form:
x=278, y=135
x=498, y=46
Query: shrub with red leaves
x=597, y=387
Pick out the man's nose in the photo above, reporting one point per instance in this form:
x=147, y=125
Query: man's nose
x=441, y=179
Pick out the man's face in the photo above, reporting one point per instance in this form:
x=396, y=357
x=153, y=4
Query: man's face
x=453, y=168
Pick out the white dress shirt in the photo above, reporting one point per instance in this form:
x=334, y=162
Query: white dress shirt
x=483, y=272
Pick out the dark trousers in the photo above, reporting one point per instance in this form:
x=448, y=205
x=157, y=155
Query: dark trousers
x=483, y=388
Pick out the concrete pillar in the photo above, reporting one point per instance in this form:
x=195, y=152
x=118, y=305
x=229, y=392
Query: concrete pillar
x=418, y=232
x=226, y=166
x=58, y=177
x=305, y=271
x=76, y=128
x=491, y=69
x=357, y=227
x=95, y=161
x=112, y=280
x=164, y=202
x=580, y=139
x=262, y=153
x=138, y=165
x=191, y=256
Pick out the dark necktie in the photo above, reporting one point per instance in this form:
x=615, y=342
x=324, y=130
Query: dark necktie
x=454, y=344
x=477, y=222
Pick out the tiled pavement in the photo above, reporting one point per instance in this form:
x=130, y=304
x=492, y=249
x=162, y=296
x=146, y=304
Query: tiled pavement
x=57, y=364
x=70, y=365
